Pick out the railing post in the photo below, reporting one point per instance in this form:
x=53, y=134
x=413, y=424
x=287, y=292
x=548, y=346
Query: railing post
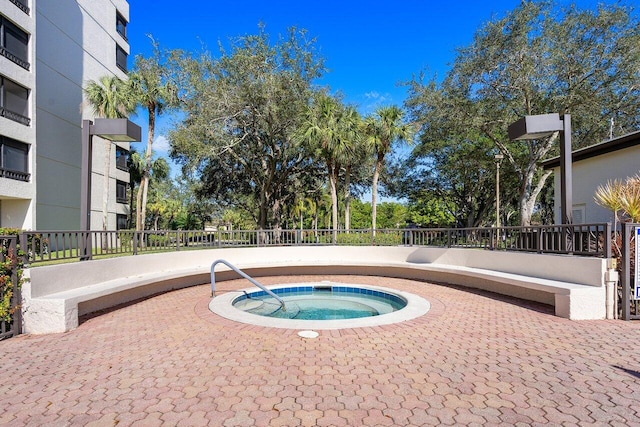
x=135, y=242
x=492, y=236
x=177, y=240
x=24, y=247
x=626, y=272
x=607, y=240
x=17, y=289
x=449, y=237
x=85, y=246
x=540, y=239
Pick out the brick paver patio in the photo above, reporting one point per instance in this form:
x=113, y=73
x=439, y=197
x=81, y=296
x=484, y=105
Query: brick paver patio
x=474, y=359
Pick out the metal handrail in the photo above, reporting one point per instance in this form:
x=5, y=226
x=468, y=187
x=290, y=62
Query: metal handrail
x=243, y=274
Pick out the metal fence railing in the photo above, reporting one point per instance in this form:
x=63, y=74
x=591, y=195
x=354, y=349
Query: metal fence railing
x=56, y=246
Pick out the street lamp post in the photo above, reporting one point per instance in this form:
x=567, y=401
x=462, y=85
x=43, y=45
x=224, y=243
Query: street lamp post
x=544, y=125
x=498, y=158
x=113, y=130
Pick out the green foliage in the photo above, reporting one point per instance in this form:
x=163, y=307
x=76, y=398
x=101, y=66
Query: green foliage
x=110, y=97
x=539, y=58
x=392, y=215
x=431, y=212
x=621, y=198
x=360, y=214
x=364, y=239
x=384, y=128
x=152, y=87
x=157, y=239
x=331, y=131
x=238, y=219
x=452, y=179
x=242, y=112
x=11, y=263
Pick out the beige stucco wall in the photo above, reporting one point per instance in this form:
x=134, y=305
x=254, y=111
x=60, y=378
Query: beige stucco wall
x=55, y=295
x=590, y=173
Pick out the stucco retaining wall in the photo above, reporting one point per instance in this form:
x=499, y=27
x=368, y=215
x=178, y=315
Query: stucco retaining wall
x=55, y=296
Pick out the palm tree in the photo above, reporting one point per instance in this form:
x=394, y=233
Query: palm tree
x=109, y=97
x=350, y=130
x=161, y=202
x=151, y=91
x=383, y=129
x=136, y=166
x=330, y=129
x=158, y=170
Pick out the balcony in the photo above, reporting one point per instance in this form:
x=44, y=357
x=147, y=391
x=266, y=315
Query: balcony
x=13, y=58
x=14, y=116
x=18, y=176
x=22, y=5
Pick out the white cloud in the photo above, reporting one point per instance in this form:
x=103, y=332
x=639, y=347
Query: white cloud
x=161, y=145
x=374, y=100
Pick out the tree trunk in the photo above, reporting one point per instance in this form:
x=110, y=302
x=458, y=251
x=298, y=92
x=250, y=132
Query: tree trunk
x=347, y=199
x=139, y=219
x=334, y=202
x=262, y=219
x=147, y=166
x=315, y=225
x=374, y=194
x=529, y=195
x=143, y=211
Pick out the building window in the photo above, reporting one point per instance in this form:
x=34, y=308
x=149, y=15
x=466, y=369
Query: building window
x=121, y=58
x=14, y=159
x=121, y=222
x=121, y=192
x=14, y=101
x=121, y=26
x=578, y=213
x=122, y=158
x=14, y=43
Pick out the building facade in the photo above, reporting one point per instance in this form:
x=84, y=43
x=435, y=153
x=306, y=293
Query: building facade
x=61, y=46
x=593, y=166
x=17, y=115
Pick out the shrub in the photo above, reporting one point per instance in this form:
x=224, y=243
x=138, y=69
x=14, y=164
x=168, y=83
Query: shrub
x=10, y=263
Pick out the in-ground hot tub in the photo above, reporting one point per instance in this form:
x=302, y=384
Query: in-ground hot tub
x=323, y=305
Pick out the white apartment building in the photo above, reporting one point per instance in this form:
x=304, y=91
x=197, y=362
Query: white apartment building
x=594, y=166
x=17, y=115
x=50, y=50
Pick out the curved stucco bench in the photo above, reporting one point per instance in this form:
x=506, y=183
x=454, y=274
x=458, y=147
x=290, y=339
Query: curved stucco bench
x=54, y=296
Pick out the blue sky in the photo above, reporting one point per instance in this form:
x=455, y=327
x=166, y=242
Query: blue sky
x=369, y=46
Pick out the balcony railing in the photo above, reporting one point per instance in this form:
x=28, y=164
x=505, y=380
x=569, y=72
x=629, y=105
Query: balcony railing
x=21, y=5
x=10, y=56
x=14, y=116
x=593, y=240
x=19, y=176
